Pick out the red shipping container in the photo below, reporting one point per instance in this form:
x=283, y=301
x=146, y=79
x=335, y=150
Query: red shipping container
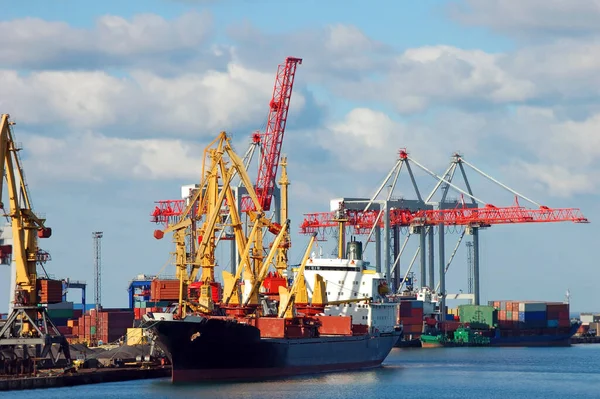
x=564, y=323
x=412, y=320
x=49, y=291
x=164, y=290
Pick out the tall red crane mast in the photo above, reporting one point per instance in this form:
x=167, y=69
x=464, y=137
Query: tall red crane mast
x=272, y=139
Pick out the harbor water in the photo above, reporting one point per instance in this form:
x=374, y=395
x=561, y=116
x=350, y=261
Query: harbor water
x=464, y=373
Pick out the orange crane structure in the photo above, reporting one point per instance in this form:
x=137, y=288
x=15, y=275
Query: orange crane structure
x=270, y=142
x=369, y=216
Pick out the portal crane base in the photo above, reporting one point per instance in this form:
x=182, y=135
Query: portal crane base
x=29, y=341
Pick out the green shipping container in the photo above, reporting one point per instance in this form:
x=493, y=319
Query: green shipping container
x=60, y=313
x=93, y=329
x=478, y=315
x=509, y=315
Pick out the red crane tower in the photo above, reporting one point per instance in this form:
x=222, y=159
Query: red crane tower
x=271, y=141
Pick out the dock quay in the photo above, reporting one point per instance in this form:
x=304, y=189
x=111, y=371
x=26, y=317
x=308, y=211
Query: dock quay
x=83, y=376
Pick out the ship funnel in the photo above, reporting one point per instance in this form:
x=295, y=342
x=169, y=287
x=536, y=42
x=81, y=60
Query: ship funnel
x=354, y=250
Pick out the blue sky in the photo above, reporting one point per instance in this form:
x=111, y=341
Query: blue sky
x=114, y=103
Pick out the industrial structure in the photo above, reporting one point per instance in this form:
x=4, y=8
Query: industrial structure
x=267, y=326
x=29, y=338
x=97, y=237
x=421, y=215
x=270, y=142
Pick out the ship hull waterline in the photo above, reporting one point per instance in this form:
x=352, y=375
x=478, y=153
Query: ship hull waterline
x=218, y=351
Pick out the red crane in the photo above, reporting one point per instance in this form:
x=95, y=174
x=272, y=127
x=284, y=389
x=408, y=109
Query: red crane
x=362, y=221
x=271, y=140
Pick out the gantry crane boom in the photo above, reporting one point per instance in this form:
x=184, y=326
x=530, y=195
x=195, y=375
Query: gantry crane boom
x=361, y=221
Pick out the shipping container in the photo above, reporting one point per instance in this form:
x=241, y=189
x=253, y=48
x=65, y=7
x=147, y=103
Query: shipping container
x=135, y=336
x=480, y=314
x=164, y=290
x=60, y=305
x=531, y=306
x=552, y=323
x=532, y=316
x=588, y=318
x=49, y=291
x=60, y=313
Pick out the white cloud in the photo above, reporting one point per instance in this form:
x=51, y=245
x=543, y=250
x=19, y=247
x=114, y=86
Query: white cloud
x=94, y=157
x=143, y=103
x=557, y=179
x=532, y=18
x=433, y=75
x=36, y=43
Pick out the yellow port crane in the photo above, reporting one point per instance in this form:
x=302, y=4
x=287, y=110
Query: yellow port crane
x=210, y=200
x=28, y=338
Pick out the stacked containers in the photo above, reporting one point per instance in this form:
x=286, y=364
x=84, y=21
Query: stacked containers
x=532, y=314
x=49, y=291
x=60, y=313
x=112, y=325
x=411, y=316
x=164, y=290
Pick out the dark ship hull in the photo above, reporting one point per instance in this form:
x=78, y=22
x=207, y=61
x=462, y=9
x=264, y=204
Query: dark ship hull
x=216, y=349
x=550, y=337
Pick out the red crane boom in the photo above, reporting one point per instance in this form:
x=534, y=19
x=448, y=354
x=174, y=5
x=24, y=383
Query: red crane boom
x=272, y=139
x=462, y=216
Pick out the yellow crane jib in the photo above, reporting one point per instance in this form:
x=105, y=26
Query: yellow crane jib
x=287, y=298
x=28, y=333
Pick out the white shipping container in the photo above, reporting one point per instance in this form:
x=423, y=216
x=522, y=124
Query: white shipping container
x=587, y=318
x=532, y=306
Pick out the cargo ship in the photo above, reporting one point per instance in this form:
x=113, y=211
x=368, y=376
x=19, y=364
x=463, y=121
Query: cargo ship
x=355, y=327
x=507, y=323
x=419, y=312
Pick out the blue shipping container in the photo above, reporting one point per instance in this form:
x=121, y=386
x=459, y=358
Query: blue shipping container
x=552, y=323
x=59, y=321
x=535, y=316
x=532, y=316
x=417, y=304
x=449, y=317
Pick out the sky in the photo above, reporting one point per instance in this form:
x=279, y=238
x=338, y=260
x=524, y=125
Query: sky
x=114, y=102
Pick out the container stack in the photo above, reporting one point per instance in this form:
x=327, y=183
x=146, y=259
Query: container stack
x=164, y=290
x=532, y=314
x=411, y=316
x=452, y=314
x=112, y=325
x=49, y=291
x=143, y=307
x=60, y=313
